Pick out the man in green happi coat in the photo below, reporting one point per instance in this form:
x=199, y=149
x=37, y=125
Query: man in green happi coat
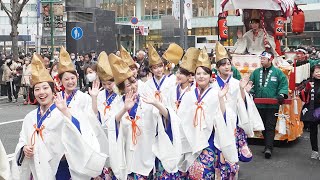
x=269, y=82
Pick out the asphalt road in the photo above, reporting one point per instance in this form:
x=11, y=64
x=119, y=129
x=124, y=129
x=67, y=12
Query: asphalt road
x=290, y=161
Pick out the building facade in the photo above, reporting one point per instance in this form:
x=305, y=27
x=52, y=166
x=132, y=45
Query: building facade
x=26, y=27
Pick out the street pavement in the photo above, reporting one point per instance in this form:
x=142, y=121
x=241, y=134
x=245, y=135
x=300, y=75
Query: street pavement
x=290, y=161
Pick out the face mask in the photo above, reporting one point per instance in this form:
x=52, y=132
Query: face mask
x=8, y=60
x=56, y=57
x=91, y=77
x=53, y=74
x=73, y=57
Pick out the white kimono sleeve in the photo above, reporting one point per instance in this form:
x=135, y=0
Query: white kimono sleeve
x=243, y=116
x=166, y=151
x=81, y=157
x=4, y=163
x=224, y=138
x=254, y=116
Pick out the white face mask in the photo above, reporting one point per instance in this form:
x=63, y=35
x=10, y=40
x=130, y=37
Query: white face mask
x=8, y=60
x=91, y=77
x=73, y=57
x=56, y=57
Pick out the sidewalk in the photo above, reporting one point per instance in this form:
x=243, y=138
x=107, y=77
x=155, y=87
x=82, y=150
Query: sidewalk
x=3, y=98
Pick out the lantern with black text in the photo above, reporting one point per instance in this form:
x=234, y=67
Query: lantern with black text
x=223, y=28
x=279, y=27
x=297, y=22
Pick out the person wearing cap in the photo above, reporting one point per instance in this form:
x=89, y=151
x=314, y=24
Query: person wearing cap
x=205, y=138
x=51, y=143
x=238, y=104
x=269, y=82
x=185, y=72
x=140, y=129
x=105, y=101
x=253, y=41
x=134, y=66
x=235, y=72
x=107, y=96
x=159, y=83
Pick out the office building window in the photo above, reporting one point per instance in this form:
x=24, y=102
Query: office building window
x=202, y=8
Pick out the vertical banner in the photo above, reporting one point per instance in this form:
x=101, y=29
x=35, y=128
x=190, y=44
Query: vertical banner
x=46, y=16
x=188, y=12
x=176, y=9
x=57, y=16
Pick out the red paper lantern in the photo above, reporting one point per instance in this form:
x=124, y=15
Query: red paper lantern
x=279, y=26
x=223, y=28
x=297, y=22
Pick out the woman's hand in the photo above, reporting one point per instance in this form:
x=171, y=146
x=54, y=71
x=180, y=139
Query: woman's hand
x=61, y=102
x=148, y=98
x=243, y=82
x=130, y=100
x=28, y=151
x=94, y=91
x=223, y=92
x=249, y=86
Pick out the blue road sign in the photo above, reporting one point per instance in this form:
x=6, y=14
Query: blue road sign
x=134, y=20
x=76, y=33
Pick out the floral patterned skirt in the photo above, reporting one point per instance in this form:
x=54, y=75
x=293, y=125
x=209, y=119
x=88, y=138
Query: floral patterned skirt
x=106, y=174
x=204, y=166
x=162, y=174
x=135, y=176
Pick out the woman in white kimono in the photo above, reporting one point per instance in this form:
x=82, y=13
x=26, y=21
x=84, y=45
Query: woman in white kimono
x=134, y=66
x=142, y=129
x=204, y=133
x=160, y=83
x=184, y=73
x=81, y=105
x=50, y=144
x=107, y=96
x=236, y=102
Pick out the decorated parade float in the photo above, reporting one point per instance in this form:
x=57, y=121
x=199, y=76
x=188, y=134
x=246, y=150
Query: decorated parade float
x=273, y=15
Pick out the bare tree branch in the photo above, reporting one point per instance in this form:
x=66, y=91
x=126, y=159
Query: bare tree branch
x=20, y=6
x=6, y=10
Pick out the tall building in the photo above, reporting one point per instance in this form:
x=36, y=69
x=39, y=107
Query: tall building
x=26, y=27
x=153, y=14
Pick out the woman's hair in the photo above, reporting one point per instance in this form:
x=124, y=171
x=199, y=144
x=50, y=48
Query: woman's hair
x=121, y=86
x=92, y=66
x=222, y=62
x=51, y=84
x=207, y=70
x=72, y=72
x=185, y=72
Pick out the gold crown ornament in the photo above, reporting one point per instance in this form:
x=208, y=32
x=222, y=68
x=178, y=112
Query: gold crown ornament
x=120, y=69
x=65, y=63
x=173, y=54
x=190, y=59
x=221, y=52
x=39, y=73
x=203, y=59
x=153, y=55
x=103, y=67
x=126, y=57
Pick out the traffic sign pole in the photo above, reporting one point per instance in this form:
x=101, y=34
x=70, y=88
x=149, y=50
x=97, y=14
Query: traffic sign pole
x=134, y=32
x=51, y=32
